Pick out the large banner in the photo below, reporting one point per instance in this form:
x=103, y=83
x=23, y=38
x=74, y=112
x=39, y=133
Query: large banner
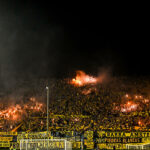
x=111, y=146
x=6, y=138
x=33, y=135
x=5, y=145
x=8, y=133
x=123, y=134
x=108, y=140
x=122, y=137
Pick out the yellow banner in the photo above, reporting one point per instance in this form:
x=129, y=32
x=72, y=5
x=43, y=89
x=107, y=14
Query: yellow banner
x=4, y=144
x=123, y=134
x=32, y=135
x=8, y=133
x=119, y=140
x=111, y=146
x=6, y=138
x=42, y=144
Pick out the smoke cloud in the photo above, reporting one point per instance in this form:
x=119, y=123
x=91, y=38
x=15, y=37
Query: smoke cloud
x=29, y=45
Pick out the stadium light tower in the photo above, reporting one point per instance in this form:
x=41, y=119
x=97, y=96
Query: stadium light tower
x=47, y=88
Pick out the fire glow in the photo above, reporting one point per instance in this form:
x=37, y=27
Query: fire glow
x=132, y=103
x=88, y=91
x=129, y=106
x=82, y=79
x=17, y=112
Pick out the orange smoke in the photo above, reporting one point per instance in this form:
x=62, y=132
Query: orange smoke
x=82, y=79
x=88, y=91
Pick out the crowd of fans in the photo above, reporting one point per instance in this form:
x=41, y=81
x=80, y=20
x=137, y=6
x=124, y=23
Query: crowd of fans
x=92, y=107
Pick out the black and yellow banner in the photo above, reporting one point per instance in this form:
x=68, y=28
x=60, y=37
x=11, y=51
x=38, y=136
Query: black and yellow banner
x=123, y=134
x=119, y=140
x=6, y=138
x=5, y=144
x=8, y=133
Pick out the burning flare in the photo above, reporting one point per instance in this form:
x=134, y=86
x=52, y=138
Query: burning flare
x=16, y=113
x=82, y=79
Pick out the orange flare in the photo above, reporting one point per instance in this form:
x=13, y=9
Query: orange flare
x=83, y=79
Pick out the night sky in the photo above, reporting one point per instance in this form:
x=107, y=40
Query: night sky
x=41, y=40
